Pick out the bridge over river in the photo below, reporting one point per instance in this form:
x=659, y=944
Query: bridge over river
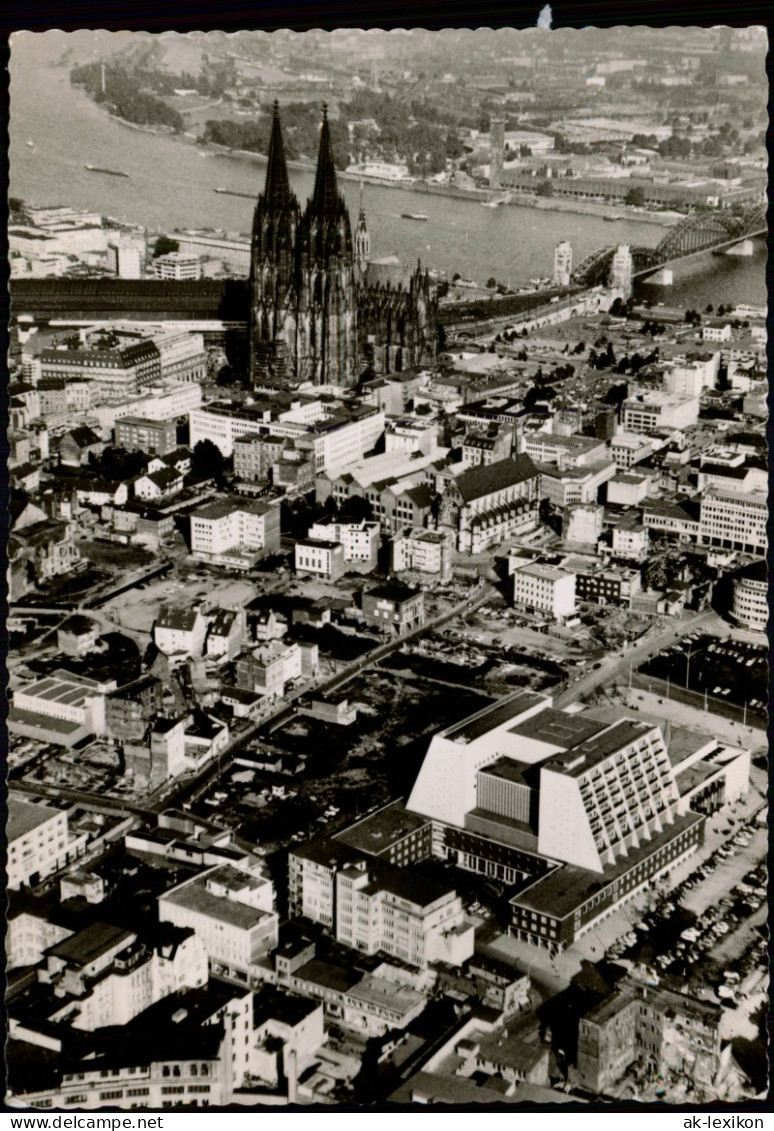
x=698, y=234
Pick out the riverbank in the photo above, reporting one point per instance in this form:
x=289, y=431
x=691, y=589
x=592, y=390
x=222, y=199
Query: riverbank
x=611, y=212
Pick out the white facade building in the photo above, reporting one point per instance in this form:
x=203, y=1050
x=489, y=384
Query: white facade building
x=734, y=520
x=38, y=839
x=544, y=590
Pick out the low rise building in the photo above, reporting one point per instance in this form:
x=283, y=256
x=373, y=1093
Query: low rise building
x=180, y=630
x=225, y=633
x=630, y=541
x=130, y=709
x=654, y=411
x=320, y=557
x=61, y=708
x=138, y=434
x=604, y=585
x=79, y=446
x=269, y=669
x=629, y=448
x=77, y=635
x=359, y=540
x=157, y=486
x=628, y=489
x=394, y=609
x=178, y=266
x=570, y=486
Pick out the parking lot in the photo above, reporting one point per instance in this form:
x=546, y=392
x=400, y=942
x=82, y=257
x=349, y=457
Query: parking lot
x=734, y=670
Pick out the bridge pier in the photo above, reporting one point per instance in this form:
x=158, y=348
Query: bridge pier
x=662, y=278
x=744, y=248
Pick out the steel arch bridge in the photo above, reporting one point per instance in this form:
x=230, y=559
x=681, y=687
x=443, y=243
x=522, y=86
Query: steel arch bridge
x=698, y=232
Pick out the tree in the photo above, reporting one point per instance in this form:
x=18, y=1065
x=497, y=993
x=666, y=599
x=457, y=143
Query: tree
x=491, y=282
x=164, y=245
x=635, y=196
x=207, y=461
x=545, y=188
x=709, y=308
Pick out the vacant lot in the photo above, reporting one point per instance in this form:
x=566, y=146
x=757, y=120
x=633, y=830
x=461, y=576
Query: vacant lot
x=352, y=768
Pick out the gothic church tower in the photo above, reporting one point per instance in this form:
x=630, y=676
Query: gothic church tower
x=272, y=268
x=326, y=332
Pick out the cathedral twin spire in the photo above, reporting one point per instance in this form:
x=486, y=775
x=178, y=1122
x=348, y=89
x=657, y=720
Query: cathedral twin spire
x=276, y=191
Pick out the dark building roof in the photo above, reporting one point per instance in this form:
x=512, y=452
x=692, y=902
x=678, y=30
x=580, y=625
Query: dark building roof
x=272, y=1004
x=421, y=496
x=83, y=437
x=90, y=944
x=485, y=479
x=182, y=619
x=755, y=571
x=397, y=594
x=77, y=625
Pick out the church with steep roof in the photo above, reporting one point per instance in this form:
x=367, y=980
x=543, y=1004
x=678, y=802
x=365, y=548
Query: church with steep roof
x=320, y=310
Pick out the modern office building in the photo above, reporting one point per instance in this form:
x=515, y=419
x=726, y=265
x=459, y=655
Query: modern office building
x=734, y=520
x=38, y=841
x=234, y=532
x=543, y=590
x=750, y=605
x=178, y=266
x=138, y=434
x=581, y=812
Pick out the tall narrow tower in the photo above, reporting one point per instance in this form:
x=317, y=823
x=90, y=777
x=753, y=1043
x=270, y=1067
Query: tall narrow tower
x=563, y=264
x=272, y=267
x=621, y=272
x=496, y=148
x=362, y=238
x=325, y=261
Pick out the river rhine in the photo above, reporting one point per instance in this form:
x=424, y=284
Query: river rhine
x=171, y=185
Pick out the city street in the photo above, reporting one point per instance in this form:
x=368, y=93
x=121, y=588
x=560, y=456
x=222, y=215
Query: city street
x=615, y=666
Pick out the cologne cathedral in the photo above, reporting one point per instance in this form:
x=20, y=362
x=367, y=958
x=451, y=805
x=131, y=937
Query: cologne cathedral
x=319, y=310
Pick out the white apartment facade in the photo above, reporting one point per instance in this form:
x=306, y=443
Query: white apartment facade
x=230, y=527
x=734, y=520
x=544, y=590
x=645, y=413
x=38, y=840
x=231, y=911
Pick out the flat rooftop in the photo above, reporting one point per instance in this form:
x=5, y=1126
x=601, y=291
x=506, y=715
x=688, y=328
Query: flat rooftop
x=681, y=743
x=495, y=716
x=511, y=770
x=24, y=816
x=194, y=895
x=560, y=893
x=386, y=994
x=376, y=833
x=580, y=758
x=90, y=944
x=558, y=728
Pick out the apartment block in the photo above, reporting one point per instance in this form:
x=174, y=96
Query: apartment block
x=234, y=532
